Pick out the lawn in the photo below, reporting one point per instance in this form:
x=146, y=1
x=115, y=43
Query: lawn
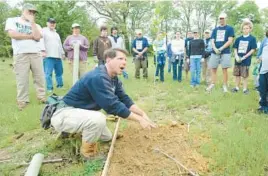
x=235, y=136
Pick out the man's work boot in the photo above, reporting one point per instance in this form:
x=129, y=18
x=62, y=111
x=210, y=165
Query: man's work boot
x=89, y=151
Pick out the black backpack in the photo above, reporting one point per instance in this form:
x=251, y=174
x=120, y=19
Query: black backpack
x=48, y=111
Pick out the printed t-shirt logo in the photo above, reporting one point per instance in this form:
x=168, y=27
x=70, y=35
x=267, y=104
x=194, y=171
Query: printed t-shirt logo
x=220, y=36
x=243, y=46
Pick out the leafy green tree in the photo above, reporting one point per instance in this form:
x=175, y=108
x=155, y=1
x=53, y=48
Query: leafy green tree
x=250, y=10
x=5, y=43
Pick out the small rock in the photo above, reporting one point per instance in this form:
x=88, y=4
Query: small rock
x=174, y=124
x=146, y=136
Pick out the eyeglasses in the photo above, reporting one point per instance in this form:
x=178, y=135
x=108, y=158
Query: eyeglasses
x=222, y=18
x=32, y=11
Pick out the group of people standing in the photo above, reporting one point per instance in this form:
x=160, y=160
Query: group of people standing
x=205, y=55
x=41, y=51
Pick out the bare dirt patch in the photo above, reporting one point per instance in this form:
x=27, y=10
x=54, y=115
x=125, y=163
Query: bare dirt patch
x=134, y=154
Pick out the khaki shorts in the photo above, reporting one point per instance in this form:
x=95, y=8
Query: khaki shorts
x=242, y=71
x=223, y=59
x=186, y=65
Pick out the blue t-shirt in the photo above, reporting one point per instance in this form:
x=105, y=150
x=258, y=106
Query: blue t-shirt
x=187, y=46
x=243, y=46
x=220, y=35
x=139, y=44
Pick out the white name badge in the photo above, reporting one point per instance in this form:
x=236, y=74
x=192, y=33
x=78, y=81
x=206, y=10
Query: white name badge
x=220, y=35
x=243, y=46
x=139, y=44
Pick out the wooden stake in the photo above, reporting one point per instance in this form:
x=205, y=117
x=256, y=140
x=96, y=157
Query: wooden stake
x=76, y=62
x=110, y=154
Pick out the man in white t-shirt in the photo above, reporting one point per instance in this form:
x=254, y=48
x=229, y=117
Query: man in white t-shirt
x=54, y=53
x=26, y=35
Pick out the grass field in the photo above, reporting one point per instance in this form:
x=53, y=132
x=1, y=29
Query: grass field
x=237, y=135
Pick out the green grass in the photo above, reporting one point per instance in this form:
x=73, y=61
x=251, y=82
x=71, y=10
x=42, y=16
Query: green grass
x=237, y=142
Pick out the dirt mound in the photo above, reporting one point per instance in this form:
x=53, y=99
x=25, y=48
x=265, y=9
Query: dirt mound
x=135, y=154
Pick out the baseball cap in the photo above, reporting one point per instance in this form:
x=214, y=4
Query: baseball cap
x=75, y=25
x=138, y=31
x=195, y=31
x=29, y=6
x=223, y=15
x=51, y=20
x=207, y=31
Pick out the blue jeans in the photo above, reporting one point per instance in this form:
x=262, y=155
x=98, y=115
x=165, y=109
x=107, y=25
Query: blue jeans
x=169, y=64
x=263, y=89
x=177, y=69
x=161, y=59
x=195, y=68
x=51, y=64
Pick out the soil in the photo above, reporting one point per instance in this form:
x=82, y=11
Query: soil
x=135, y=153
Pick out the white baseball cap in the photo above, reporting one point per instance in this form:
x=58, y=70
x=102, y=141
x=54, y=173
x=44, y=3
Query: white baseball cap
x=223, y=15
x=75, y=25
x=207, y=31
x=138, y=31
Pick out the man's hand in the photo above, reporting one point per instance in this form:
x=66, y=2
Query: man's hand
x=217, y=51
x=259, y=60
x=43, y=54
x=140, y=54
x=202, y=60
x=145, y=116
x=243, y=58
x=188, y=61
x=147, y=124
x=30, y=18
x=238, y=59
x=63, y=56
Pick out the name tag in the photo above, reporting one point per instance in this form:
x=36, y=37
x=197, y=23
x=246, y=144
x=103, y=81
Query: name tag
x=139, y=45
x=243, y=46
x=220, y=36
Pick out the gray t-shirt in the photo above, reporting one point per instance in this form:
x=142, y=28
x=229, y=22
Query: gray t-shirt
x=22, y=46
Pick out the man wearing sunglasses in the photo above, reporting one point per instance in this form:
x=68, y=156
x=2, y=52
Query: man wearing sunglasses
x=26, y=35
x=221, y=39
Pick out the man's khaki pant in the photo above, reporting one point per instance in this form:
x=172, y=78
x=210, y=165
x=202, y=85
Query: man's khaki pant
x=82, y=68
x=23, y=63
x=206, y=71
x=141, y=63
x=92, y=124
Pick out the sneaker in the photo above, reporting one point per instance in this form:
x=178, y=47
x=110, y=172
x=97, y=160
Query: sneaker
x=210, y=87
x=263, y=109
x=246, y=91
x=42, y=100
x=156, y=78
x=225, y=90
x=49, y=91
x=192, y=86
x=61, y=88
x=21, y=105
x=234, y=90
